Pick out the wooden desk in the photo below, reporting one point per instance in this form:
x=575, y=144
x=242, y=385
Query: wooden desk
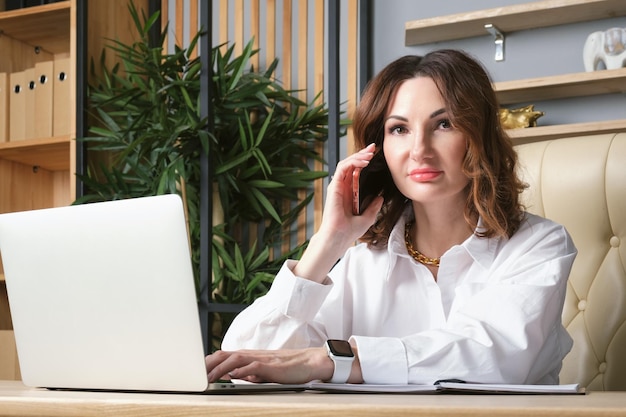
x=17, y=400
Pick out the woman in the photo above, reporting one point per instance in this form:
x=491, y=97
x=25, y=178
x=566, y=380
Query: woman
x=452, y=278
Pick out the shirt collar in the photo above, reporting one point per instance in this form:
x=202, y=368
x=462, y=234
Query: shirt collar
x=482, y=250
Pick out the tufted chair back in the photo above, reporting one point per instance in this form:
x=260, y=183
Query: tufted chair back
x=580, y=182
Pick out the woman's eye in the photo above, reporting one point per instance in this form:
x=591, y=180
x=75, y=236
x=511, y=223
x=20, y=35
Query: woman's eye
x=397, y=130
x=445, y=124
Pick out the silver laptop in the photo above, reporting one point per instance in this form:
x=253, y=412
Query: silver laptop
x=102, y=297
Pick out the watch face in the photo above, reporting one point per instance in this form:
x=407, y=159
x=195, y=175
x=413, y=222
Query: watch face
x=340, y=348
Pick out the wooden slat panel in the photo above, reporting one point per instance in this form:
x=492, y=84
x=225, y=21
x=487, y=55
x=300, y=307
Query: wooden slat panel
x=303, y=49
x=270, y=43
x=223, y=24
x=193, y=24
x=179, y=25
x=164, y=18
x=318, y=85
x=255, y=30
x=238, y=36
x=303, y=65
x=352, y=80
x=287, y=36
x=270, y=35
x=286, y=74
x=179, y=22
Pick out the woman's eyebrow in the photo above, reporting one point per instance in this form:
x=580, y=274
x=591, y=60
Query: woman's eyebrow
x=404, y=119
x=401, y=118
x=437, y=113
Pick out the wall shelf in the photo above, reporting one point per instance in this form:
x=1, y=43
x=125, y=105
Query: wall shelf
x=562, y=86
x=510, y=19
x=534, y=134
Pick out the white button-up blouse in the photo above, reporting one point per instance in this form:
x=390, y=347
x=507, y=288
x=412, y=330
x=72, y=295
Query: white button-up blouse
x=493, y=315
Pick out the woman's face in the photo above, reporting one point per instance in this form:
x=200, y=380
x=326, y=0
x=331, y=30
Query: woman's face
x=423, y=150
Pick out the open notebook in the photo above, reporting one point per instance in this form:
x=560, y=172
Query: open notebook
x=102, y=297
x=450, y=387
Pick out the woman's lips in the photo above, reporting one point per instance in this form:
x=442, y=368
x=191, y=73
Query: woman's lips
x=425, y=174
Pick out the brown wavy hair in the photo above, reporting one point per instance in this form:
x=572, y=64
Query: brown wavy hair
x=490, y=161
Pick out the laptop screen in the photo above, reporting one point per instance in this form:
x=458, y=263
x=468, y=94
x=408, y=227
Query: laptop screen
x=102, y=296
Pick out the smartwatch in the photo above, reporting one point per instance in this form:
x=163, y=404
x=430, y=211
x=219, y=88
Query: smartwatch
x=340, y=352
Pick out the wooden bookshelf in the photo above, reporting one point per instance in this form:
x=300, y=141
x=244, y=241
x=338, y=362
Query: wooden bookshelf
x=48, y=153
x=44, y=26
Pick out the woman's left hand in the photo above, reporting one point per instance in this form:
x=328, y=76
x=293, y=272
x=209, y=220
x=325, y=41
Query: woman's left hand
x=286, y=366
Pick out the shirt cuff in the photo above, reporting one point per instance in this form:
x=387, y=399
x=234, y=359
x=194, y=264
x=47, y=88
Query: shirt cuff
x=383, y=360
x=303, y=297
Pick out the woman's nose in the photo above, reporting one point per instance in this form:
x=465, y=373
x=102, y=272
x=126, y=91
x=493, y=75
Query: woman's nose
x=421, y=146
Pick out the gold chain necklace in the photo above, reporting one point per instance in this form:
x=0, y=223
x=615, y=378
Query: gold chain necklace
x=415, y=254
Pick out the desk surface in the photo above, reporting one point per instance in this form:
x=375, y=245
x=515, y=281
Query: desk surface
x=18, y=400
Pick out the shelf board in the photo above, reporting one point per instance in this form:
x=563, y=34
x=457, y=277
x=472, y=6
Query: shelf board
x=510, y=19
x=46, y=26
x=539, y=133
x=48, y=153
x=562, y=86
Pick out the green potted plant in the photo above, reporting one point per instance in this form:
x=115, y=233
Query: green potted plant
x=146, y=137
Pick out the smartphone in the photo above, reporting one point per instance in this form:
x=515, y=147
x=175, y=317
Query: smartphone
x=368, y=183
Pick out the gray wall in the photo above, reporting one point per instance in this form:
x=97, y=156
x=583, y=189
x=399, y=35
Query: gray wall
x=528, y=54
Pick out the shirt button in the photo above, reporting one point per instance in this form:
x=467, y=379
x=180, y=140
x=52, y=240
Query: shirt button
x=582, y=305
x=614, y=241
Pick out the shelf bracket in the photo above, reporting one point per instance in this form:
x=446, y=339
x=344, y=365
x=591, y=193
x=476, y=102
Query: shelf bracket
x=498, y=39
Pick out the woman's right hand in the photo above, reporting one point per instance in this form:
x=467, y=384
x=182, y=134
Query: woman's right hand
x=340, y=228
x=338, y=218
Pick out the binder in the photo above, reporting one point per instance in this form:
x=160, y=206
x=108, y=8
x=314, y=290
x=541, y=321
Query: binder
x=44, y=75
x=4, y=107
x=29, y=96
x=17, y=106
x=61, y=97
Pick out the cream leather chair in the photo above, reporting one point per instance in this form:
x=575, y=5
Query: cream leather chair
x=580, y=182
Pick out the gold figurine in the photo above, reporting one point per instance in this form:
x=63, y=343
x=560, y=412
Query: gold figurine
x=517, y=118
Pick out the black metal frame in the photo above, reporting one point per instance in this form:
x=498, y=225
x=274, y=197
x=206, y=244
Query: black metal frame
x=333, y=93
x=365, y=38
x=81, y=93
x=206, y=187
